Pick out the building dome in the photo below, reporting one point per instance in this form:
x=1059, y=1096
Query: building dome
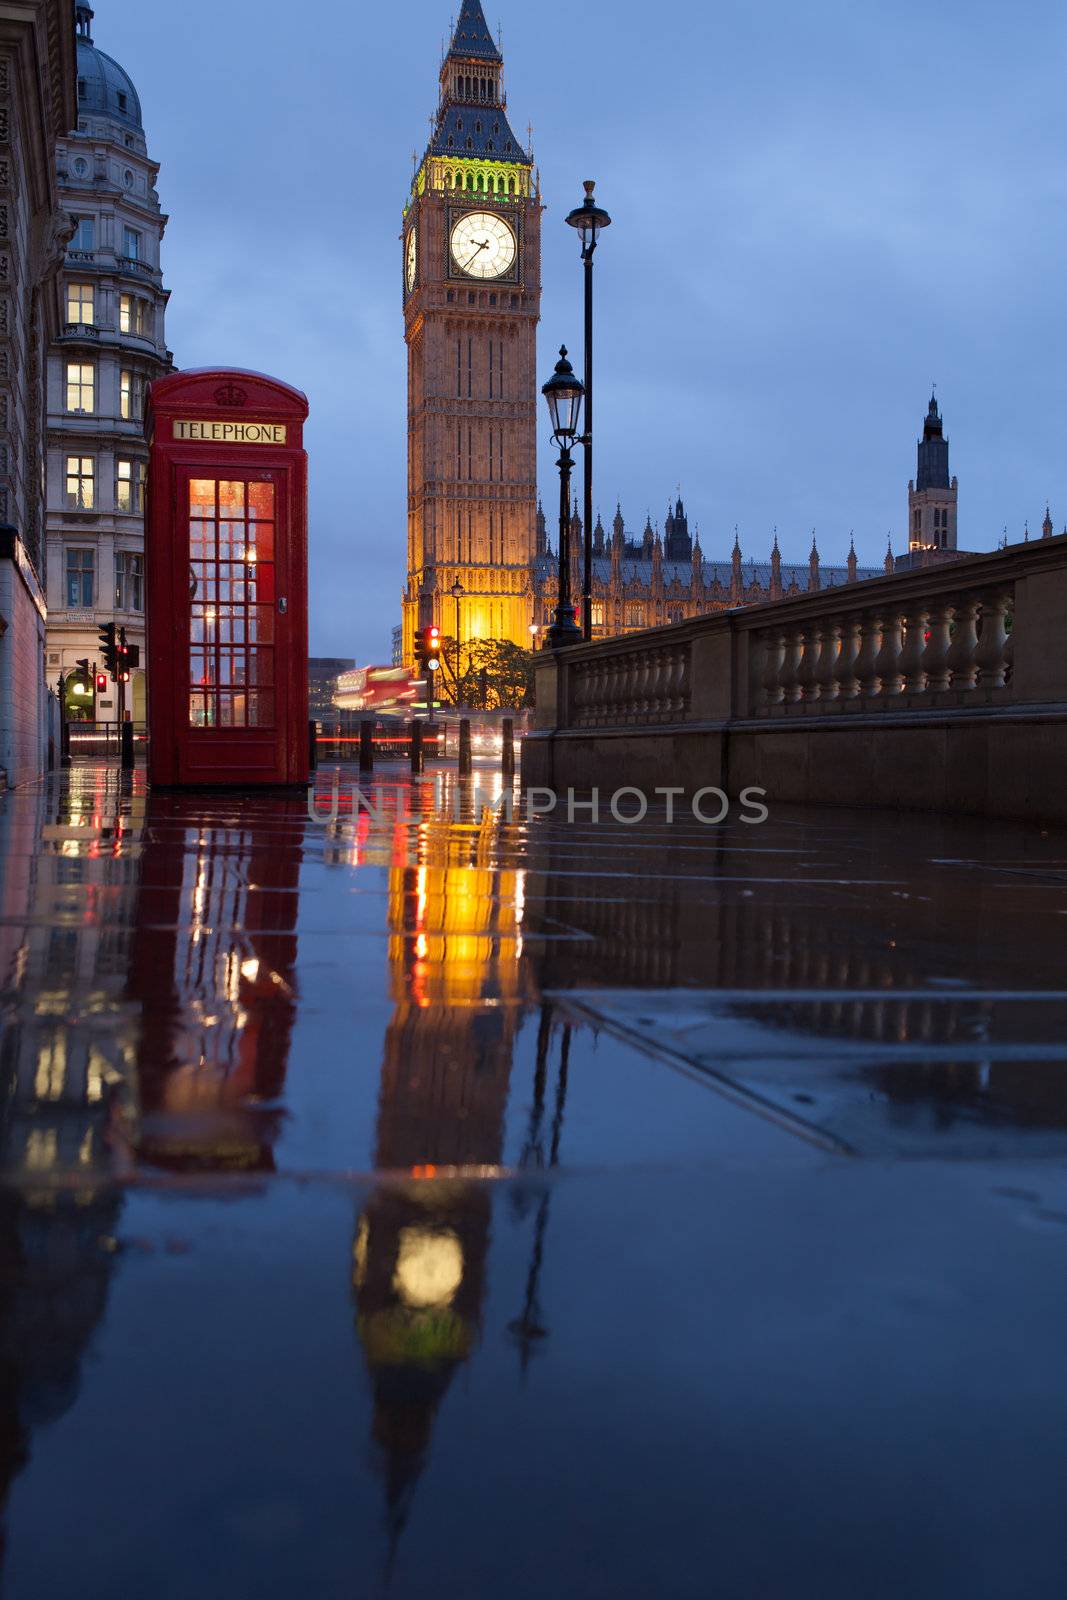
x=103, y=86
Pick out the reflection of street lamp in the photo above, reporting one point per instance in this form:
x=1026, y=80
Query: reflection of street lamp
x=458, y=592
x=589, y=220
x=564, y=392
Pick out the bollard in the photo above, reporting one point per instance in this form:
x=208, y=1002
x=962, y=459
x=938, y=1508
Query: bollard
x=126, y=736
x=416, y=746
x=366, y=747
x=507, y=758
x=464, y=746
x=313, y=746
x=64, y=745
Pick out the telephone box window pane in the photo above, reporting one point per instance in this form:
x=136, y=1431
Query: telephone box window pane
x=261, y=534
x=261, y=668
x=232, y=500
x=265, y=583
x=202, y=497
x=261, y=502
x=202, y=540
x=261, y=709
x=264, y=624
x=200, y=709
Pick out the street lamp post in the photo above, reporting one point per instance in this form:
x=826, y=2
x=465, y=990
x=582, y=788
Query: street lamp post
x=564, y=392
x=458, y=592
x=589, y=219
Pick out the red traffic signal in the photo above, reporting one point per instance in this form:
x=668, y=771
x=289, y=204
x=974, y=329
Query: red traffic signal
x=101, y=682
x=430, y=647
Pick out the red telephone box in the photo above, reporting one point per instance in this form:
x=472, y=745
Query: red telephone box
x=226, y=591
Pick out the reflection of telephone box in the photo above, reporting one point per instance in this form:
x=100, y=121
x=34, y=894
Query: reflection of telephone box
x=226, y=586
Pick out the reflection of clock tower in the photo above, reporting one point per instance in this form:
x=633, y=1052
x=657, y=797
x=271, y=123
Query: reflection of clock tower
x=472, y=290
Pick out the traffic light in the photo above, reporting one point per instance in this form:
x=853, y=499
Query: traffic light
x=431, y=648
x=83, y=666
x=109, y=647
x=122, y=658
x=101, y=682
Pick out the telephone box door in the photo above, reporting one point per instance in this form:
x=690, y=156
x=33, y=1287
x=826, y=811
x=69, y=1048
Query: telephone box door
x=235, y=627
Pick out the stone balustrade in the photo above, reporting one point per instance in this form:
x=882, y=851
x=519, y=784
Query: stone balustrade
x=630, y=687
x=946, y=650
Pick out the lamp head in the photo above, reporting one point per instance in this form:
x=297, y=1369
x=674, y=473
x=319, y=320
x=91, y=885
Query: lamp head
x=588, y=218
x=564, y=393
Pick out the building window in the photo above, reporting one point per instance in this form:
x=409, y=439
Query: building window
x=84, y=237
x=633, y=616
x=129, y=581
x=123, y=103
x=131, y=396
x=82, y=88
x=81, y=483
x=81, y=386
x=598, y=613
x=131, y=314
x=81, y=571
x=129, y=486
x=131, y=244
x=81, y=306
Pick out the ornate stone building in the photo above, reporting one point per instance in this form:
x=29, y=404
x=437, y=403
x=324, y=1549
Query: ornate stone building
x=110, y=347
x=648, y=580
x=472, y=289
x=37, y=107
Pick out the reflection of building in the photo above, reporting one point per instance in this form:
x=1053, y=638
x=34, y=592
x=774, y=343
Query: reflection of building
x=646, y=580
x=472, y=291
x=213, y=973
x=67, y=1090
x=323, y=673
x=37, y=107
x=421, y=1241
x=111, y=345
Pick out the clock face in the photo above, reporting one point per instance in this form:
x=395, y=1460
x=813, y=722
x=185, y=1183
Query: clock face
x=483, y=246
x=412, y=259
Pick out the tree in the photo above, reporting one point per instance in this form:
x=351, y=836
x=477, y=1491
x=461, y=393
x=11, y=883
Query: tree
x=494, y=674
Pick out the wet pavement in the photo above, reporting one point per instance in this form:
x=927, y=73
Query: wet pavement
x=421, y=1202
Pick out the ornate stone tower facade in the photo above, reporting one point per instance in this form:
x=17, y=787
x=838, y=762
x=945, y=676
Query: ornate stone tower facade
x=472, y=289
x=111, y=345
x=932, y=495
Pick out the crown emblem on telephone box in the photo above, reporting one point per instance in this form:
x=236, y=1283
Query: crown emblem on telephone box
x=230, y=395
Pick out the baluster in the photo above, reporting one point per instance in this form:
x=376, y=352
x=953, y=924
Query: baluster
x=809, y=661
x=962, y=663
x=935, y=656
x=773, y=653
x=828, y=652
x=887, y=661
x=870, y=645
x=911, y=657
x=638, y=675
x=845, y=666
x=788, y=679
x=657, y=684
x=684, y=678
x=992, y=652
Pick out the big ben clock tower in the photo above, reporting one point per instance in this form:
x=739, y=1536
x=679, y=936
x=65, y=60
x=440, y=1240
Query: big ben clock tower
x=472, y=289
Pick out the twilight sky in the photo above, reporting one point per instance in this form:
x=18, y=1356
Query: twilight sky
x=818, y=210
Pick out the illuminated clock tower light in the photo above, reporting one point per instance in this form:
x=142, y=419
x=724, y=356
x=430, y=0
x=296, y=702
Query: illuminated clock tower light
x=472, y=289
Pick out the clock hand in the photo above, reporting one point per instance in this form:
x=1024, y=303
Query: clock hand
x=483, y=246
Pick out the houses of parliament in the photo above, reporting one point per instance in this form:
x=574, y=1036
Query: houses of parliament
x=479, y=554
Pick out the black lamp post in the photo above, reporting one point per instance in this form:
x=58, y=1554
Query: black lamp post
x=589, y=219
x=564, y=391
x=458, y=592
